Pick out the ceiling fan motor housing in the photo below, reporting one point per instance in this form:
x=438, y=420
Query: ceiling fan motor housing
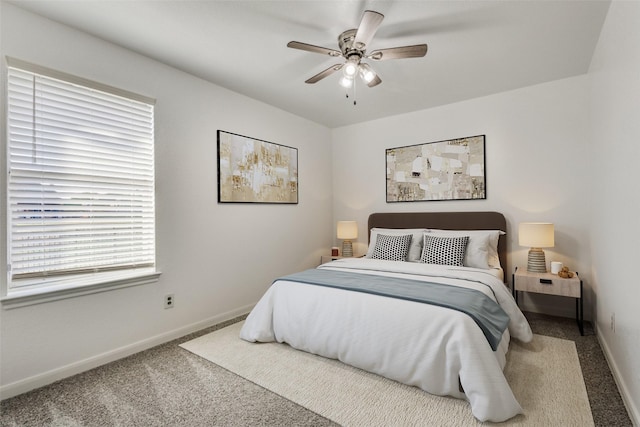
x=345, y=41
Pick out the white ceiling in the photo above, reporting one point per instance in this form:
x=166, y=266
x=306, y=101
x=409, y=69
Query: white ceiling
x=476, y=48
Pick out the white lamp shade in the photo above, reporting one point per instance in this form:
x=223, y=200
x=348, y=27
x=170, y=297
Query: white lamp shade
x=536, y=235
x=347, y=230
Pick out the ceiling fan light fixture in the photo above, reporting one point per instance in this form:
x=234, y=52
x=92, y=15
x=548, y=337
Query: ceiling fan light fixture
x=366, y=73
x=346, y=82
x=350, y=69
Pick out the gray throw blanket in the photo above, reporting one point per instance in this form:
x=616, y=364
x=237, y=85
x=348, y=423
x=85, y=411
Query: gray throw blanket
x=487, y=314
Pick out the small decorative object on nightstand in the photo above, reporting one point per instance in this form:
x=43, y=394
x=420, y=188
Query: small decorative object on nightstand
x=556, y=266
x=550, y=284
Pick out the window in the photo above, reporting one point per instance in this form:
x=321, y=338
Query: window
x=80, y=181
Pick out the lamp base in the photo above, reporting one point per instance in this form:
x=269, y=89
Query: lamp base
x=347, y=248
x=536, y=262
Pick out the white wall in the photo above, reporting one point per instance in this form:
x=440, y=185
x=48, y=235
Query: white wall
x=203, y=248
x=615, y=114
x=537, y=161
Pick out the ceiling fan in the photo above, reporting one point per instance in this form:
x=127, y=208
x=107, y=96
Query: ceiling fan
x=353, y=46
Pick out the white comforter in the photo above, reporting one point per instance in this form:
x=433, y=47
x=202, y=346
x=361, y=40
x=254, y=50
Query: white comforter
x=431, y=347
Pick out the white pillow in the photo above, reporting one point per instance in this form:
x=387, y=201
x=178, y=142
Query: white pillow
x=415, y=249
x=480, y=241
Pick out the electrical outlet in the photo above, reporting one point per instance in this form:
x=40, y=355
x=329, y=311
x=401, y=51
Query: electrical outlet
x=613, y=323
x=169, y=301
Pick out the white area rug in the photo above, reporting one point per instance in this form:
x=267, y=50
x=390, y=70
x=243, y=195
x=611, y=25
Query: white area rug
x=544, y=375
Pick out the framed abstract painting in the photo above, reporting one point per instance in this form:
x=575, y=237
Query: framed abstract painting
x=444, y=170
x=255, y=171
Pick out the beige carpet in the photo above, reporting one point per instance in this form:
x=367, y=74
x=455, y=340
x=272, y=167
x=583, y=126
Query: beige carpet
x=545, y=376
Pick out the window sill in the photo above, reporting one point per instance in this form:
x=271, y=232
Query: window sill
x=86, y=285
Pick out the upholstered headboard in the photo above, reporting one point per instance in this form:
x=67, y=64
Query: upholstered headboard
x=446, y=221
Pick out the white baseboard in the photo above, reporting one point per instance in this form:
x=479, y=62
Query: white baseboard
x=40, y=380
x=633, y=411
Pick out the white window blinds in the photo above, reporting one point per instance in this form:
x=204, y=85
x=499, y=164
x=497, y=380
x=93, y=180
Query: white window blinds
x=81, y=178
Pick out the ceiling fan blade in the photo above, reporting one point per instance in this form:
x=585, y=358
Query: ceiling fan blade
x=312, y=48
x=415, y=51
x=366, y=30
x=322, y=74
x=375, y=82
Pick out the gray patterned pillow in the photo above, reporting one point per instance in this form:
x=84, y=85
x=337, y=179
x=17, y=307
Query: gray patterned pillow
x=392, y=248
x=444, y=250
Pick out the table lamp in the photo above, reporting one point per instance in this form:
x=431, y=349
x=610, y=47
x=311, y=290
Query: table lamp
x=347, y=230
x=536, y=235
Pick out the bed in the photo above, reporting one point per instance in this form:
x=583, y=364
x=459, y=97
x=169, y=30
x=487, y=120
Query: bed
x=400, y=310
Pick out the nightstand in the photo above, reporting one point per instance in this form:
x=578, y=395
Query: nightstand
x=550, y=284
x=329, y=258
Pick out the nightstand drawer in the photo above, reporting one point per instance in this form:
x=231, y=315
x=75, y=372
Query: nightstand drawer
x=546, y=283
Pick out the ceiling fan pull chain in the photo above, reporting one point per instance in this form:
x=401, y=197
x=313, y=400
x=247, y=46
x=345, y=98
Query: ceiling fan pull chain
x=354, y=90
